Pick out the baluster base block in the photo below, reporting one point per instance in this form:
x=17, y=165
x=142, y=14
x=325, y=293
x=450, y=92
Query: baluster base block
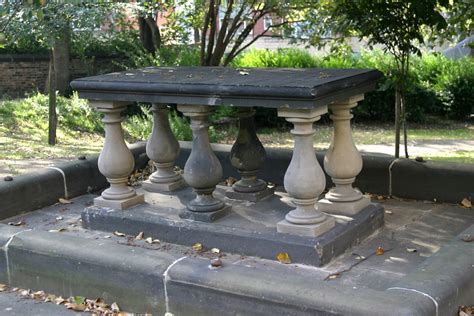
x=120, y=204
x=250, y=196
x=311, y=230
x=163, y=187
x=343, y=208
x=207, y=217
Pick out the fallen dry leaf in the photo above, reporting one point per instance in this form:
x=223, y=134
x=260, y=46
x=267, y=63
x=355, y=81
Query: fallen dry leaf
x=25, y=292
x=388, y=212
x=59, y=218
x=215, y=250
x=466, y=203
x=64, y=201
x=333, y=276
x=76, y=307
x=107, y=236
x=140, y=236
x=197, y=246
x=60, y=230
x=468, y=238
x=230, y=181
x=59, y=300
x=3, y=287
x=379, y=251
x=38, y=295
x=243, y=73
x=466, y=310
x=119, y=234
x=21, y=222
x=114, y=307
x=283, y=257
x=149, y=240
x=411, y=249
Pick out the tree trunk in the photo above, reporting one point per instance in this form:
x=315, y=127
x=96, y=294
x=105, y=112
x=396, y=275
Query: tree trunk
x=397, y=120
x=155, y=31
x=61, y=57
x=53, y=118
x=404, y=122
x=145, y=35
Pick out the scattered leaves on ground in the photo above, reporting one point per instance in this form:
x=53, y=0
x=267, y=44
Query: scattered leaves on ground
x=379, y=251
x=468, y=238
x=64, y=201
x=283, y=257
x=119, y=234
x=466, y=203
x=76, y=303
x=197, y=246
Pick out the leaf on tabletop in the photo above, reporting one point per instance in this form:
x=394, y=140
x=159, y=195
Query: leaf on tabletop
x=283, y=257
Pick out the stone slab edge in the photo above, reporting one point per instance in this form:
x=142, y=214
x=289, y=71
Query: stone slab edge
x=148, y=280
x=44, y=187
x=69, y=266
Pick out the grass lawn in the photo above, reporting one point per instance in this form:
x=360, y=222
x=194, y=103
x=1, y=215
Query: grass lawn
x=23, y=132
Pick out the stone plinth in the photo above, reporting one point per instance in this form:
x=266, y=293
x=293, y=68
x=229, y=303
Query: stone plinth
x=247, y=229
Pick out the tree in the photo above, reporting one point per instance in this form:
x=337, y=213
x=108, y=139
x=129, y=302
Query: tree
x=399, y=26
x=51, y=23
x=224, y=27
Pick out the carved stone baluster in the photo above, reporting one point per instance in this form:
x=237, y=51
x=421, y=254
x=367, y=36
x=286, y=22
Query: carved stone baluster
x=248, y=155
x=304, y=179
x=343, y=163
x=203, y=170
x=116, y=160
x=163, y=149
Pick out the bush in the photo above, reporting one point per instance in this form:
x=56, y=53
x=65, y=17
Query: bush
x=435, y=85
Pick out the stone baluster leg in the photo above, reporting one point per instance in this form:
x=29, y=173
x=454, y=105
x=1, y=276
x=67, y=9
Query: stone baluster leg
x=116, y=160
x=304, y=179
x=203, y=170
x=163, y=149
x=248, y=155
x=343, y=163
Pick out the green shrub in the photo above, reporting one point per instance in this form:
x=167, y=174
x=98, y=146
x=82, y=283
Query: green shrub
x=460, y=101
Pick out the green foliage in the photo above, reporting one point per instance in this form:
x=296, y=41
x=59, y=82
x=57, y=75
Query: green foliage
x=436, y=86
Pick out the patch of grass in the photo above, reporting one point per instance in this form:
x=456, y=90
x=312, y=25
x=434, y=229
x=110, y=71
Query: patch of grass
x=457, y=156
x=24, y=128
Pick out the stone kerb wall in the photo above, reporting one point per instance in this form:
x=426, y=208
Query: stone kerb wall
x=20, y=74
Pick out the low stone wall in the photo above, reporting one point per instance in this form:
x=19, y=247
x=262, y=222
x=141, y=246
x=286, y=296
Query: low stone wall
x=21, y=74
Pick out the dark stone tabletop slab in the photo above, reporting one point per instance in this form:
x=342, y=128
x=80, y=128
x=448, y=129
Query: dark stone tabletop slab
x=266, y=87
